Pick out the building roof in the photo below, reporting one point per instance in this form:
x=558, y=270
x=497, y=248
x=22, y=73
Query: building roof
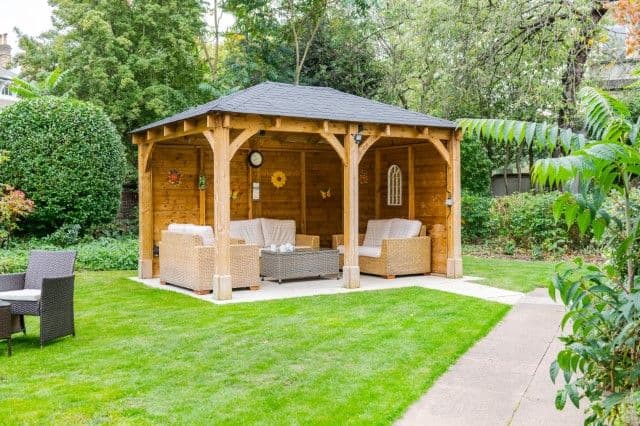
x=320, y=103
x=6, y=74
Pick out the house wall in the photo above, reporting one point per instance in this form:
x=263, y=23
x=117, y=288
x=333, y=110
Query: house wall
x=312, y=170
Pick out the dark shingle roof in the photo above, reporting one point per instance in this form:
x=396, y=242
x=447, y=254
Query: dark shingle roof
x=321, y=103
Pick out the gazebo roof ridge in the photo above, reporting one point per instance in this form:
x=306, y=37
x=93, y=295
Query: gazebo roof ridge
x=306, y=102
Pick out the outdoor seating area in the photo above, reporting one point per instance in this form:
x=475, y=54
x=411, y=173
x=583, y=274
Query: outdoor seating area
x=44, y=290
x=277, y=169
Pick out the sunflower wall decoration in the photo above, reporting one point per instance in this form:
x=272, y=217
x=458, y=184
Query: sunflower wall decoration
x=278, y=179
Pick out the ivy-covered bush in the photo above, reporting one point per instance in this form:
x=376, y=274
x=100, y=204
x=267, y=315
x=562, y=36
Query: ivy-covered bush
x=475, y=217
x=475, y=167
x=67, y=157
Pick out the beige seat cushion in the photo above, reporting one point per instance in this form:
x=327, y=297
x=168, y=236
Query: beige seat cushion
x=26, y=295
x=249, y=231
x=205, y=232
x=278, y=232
x=377, y=230
x=404, y=228
x=364, y=251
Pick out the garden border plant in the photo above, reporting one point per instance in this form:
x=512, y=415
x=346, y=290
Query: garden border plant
x=601, y=358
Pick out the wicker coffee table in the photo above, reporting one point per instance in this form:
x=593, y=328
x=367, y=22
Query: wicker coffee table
x=300, y=263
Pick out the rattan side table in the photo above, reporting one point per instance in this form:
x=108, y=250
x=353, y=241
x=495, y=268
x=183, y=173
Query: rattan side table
x=8, y=323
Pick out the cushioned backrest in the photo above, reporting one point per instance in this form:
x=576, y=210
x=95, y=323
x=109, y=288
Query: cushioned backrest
x=48, y=264
x=404, y=228
x=205, y=232
x=278, y=231
x=249, y=231
x=377, y=230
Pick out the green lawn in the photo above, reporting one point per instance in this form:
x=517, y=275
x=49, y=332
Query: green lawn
x=152, y=356
x=518, y=275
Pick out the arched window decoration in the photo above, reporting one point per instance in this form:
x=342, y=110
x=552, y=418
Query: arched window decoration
x=394, y=186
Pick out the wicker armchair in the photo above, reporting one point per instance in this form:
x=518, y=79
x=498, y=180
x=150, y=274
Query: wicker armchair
x=187, y=263
x=44, y=290
x=397, y=256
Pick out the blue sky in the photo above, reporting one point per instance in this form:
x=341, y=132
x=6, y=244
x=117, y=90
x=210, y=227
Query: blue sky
x=30, y=16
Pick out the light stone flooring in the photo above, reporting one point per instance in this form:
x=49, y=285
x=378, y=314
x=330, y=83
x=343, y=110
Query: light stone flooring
x=504, y=378
x=300, y=288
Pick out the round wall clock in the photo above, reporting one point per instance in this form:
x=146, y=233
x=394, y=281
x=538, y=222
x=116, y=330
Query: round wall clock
x=255, y=159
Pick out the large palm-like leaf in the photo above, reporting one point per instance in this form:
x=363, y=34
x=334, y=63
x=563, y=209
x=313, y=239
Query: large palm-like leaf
x=49, y=86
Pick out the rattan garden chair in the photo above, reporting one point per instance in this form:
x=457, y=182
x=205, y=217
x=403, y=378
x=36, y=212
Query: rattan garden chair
x=44, y=290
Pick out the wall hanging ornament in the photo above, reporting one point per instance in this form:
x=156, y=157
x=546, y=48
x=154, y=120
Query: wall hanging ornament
x=325, y=194
x=235, y=193
x=364, y=176
x=202, y=182
x=174, y=177
x=278, y=179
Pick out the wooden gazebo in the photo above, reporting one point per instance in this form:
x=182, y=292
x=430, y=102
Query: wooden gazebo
x=334, y=150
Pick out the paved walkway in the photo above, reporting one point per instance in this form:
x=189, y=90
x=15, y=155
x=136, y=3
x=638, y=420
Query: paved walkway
x=301, y=288
x=504, y=378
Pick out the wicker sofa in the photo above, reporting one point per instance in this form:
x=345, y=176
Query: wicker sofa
x=266, y=232
x=187, y=256
x=391, y=247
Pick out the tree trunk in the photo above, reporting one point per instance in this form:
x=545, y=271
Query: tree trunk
x=574, y=71
x=505, y=174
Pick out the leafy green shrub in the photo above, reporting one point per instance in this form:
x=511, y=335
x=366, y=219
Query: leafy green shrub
x=614, y=234
x=601, y=359
x=527, y=219
x=67, y=157
x=475, y=217
x=108, y=254
x=66, y=235
x=475, y=167
x=98, y=255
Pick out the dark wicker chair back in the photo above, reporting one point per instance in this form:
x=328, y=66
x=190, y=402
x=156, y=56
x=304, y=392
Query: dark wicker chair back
x=48, y=264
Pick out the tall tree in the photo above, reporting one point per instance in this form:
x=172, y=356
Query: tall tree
x=137, y=59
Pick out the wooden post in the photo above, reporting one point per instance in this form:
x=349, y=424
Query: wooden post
x=411, y=198
x=219, y=141
x=351, y=268
x=303, y=193
x=202, y=193
x=454, y=221
x=376, y=186
x=145, y=205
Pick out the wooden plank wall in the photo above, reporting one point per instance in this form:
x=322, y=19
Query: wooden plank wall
x=322, y=172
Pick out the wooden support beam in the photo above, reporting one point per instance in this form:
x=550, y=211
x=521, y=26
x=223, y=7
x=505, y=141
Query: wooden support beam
x=325, y=126
x=226, y=120
x=444, y=152
x=188, y=125
x=152, y=134
x=377, y=187
x=351, y=268
x=146, y=155
x=387, y=130
x=368, y=143
x=168, y=130
x=335, y=144
x=454, y=219
x=202, y=192
x=145, y=210
x=212, y=121
x=303, y=192
x=237, y=142
x=218, y=139
x=411, y=198
x=277, y=122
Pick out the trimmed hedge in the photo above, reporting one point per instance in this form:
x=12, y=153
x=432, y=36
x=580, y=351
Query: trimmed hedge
x=67, y=157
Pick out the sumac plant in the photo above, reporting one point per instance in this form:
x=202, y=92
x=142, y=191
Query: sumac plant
x=600, y=361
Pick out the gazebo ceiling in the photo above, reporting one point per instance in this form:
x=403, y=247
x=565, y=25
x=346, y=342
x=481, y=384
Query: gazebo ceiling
x=307, y=102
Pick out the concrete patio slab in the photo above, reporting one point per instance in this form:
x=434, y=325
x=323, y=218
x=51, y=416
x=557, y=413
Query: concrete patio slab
x=504, y=378
x=314, y=287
